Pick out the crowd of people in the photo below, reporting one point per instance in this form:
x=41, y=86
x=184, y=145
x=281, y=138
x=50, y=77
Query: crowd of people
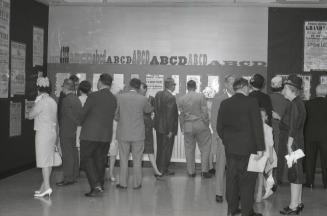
x=242, y=120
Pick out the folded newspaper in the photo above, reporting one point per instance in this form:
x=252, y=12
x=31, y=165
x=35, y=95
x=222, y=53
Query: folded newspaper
x=257, y=164
x=293, y=157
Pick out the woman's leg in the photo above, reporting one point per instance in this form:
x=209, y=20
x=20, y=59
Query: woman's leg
x=296, y=193
x=153, y=163
x=259, y=188
x=46, y=173
x=112, y=166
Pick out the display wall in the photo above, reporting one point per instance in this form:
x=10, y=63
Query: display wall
x=17, y=152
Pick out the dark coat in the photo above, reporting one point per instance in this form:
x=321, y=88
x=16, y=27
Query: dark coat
x=166, y=113
x=239, y=125
x=97, y=116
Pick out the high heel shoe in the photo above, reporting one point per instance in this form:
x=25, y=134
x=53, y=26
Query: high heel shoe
x=301, y=206
x=46, y=192
x=288, y=211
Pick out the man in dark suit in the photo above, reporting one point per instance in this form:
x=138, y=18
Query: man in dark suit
x=166, y=125
x=97, y=124
x=131, y=132
x=227, y=92
x=71, y=108
x=316, y=135
x=240, y=127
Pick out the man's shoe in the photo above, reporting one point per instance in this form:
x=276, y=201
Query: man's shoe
x=169, y=173
x=121, y=187
x=65, y=183
x=219, y=199
x=206, y=175
x=192, y=175
x=94, y=192
x=212, y=171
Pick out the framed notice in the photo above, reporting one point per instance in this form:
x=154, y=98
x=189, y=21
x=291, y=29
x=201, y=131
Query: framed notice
x=176, y=79
x=18, y=59
x=38, y=39
x=213, y=82
x=323, y=80
x=315, y=46
x=4, y=47
x=15, y=122
x=28, y=107
x=155, y=83
x=60, y=77
x=95, y=80
x=306, y=85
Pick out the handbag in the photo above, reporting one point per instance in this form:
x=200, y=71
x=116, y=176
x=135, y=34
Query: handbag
x=57, y=160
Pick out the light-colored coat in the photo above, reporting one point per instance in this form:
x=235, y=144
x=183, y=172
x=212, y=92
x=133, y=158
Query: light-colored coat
x=129, y=115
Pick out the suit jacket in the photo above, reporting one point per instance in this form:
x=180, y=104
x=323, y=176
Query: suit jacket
x=71, y=109
x=166, y=113
x=316, y=125
x=240, y=126
x=193, y=107
x=219, y=97
x=97, y=116
x=264, y=102
x=130, y=116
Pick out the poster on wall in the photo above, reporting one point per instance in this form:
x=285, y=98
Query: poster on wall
x=18, y=59
x=60, y=77
x=28, y=107
x=15, y=119
x=95, y=80
x=306, y=85
x=118, y=83
x=4, y=47
x=137, y=76
x=213, y=82
x=323, y=80
x=38, y=38
x=315, y=45
x=81, y=76
x=176, y=79
x=155, y=83
x=197, y=79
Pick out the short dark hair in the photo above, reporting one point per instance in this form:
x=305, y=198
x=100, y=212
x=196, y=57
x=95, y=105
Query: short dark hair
x=135, y=83
x=257, y=81
x=169, y=82
x=85, y=87
x=191, y=84
x=239, y=83
x=74, y=78
x=106, y=79
x=227, y=77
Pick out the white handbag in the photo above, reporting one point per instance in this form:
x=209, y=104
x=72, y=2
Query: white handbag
x=57, y=161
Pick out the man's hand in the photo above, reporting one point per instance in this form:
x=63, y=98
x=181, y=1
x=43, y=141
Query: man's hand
x=170, y=135
x=276, y=115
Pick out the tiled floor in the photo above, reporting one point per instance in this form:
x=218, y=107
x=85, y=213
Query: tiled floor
x=174, y=196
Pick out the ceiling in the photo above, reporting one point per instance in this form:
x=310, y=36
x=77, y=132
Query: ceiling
x=283, y=3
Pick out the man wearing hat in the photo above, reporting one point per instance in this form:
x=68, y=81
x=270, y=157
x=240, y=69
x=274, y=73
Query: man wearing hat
x=71, y=108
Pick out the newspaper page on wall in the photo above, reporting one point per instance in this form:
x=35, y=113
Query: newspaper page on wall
x=17, y=77
x=4, y=47
x=15, y=128
x=213, y=82
x=38, y=38
x=315, y=46
x=95, y=80
x=176, y=79
x=60, y=77
x=155, y=83
x=28, y=107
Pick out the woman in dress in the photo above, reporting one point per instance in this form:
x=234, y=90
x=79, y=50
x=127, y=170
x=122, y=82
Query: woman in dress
x=44, y=113
x=296, y=118
x=148, y=142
